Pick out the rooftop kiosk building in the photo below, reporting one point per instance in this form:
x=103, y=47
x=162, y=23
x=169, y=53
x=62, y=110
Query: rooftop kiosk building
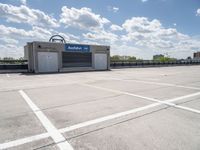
x=44, y=57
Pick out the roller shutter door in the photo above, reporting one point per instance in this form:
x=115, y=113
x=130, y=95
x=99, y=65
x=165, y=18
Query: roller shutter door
x=76, y=59
x=47, y=62
x=101, y=61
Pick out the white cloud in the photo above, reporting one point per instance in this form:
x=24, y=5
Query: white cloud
x=101, y=37
x=115, y=27
x=139, y=36
x=144, y=1
x=36, y=33
x=8, y=40
x=130, y=50
x=11, y=50
x=82, y=18
x=145, y=38
x=13, y=39
x=150, y=34
x=198, y=12
x=23, y=2
x=141, y=24
x=69, y=37
x=24, y=14
x=113, y=9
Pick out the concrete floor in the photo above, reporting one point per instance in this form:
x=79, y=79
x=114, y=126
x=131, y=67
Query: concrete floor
x=122, y=109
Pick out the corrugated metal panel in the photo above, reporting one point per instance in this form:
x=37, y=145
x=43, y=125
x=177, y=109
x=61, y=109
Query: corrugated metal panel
x=100, y=62
x=76, y=59
x=47, y=62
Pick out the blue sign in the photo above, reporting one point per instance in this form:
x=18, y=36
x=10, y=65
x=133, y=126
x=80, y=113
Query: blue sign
x=77, y=48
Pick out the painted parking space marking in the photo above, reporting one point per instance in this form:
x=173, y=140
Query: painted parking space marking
x=8, y=75
x=74, y=127
x=106, y=118
x=188, y=109
x=184, y=97
x=121, y=114
x=102, y=119
x=166, y=102
x=24, y=140
x=156, y=83
x=58, y=138
x=111, y=78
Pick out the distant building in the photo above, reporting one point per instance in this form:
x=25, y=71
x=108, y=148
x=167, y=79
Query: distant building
x=197, y=55
x=155, y=57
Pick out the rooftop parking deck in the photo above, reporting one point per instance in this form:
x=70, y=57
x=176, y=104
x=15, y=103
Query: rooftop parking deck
x=122, y=109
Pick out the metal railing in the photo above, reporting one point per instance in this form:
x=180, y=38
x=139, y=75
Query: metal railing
x=22, y=64
x=13, y=62
x=13, y=65
x=154, y=63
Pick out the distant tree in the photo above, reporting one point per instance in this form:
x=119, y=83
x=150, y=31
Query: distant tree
x=8, y=58
x=158, y=57
x=162, y=58
x=118, y=58
x=11, y=60
x=130, y=58
x=139, y=60
x=21, y=58
x=166, y=59
x=115, y=58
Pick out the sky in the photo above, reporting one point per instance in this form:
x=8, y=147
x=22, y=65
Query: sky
x=140, y=28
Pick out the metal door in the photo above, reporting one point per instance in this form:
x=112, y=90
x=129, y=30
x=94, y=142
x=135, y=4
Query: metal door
x=47, y=62
x=100, y=61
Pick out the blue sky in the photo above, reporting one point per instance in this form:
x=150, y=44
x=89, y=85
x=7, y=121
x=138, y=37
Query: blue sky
x=133, y=27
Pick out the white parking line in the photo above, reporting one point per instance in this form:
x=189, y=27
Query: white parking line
x=166, y=102
x=121, y=114
x=103, y=119
x=54, y=133
x=106, y=118
x=183, y=97
x=24, y=140
x=8, y=75
x=74, y=127
x=188, y=109
x=156, y=83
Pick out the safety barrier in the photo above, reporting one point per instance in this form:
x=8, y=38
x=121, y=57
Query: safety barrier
x=22, y=64
x=13, y=62
x=152, y=63
x=13, y=66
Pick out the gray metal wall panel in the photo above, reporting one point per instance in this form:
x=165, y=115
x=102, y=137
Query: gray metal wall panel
x=76, y=59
